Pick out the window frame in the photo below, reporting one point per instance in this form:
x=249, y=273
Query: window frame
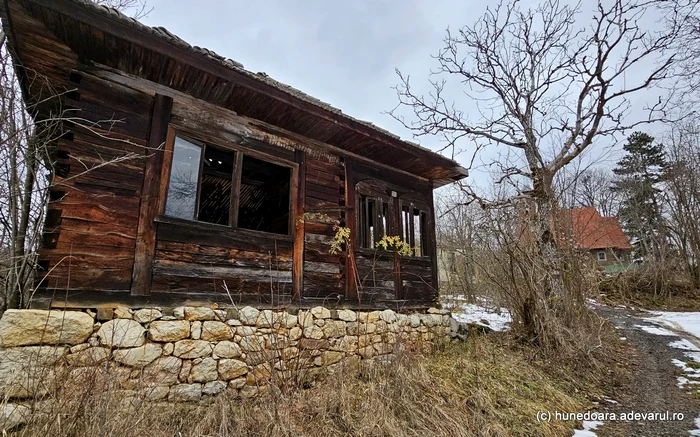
x=239, y=151
x=605, y=255
x=380, y=197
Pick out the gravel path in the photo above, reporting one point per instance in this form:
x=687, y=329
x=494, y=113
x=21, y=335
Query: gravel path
x=655, y=383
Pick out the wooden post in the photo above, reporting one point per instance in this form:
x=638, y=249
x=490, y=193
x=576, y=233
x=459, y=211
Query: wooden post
x=432, y=243
x=350, y=222
x=298, y=255
x=146, y=234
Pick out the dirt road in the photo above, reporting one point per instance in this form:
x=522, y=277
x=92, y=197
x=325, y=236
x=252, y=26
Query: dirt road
x=656, y=381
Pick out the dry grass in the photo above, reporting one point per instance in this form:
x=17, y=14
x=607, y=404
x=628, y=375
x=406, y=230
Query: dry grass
x=483, y=387
x=652, y=286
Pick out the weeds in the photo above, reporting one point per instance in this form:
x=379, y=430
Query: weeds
x=483, y=387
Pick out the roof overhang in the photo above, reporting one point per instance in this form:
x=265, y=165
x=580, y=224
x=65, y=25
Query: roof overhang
x=104, y=36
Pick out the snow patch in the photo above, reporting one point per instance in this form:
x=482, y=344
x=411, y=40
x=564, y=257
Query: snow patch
x=696, y=431
x=688, y=322
x=654, y=330
x=497, y=319
x=588, y=427
x=684, y=344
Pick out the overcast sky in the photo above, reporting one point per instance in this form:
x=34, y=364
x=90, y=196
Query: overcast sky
x=342, y=52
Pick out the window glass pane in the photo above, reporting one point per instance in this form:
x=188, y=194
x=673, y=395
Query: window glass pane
x=184, y=175
x=215, y=192
x=264, y=196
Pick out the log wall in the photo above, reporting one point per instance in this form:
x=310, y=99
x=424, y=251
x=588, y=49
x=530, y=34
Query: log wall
x=96, y=214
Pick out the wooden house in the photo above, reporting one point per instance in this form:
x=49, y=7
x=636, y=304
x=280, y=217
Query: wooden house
x=182, y=178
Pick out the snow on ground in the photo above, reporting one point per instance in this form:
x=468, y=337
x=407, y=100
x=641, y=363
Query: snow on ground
x=588, y=427
x=683, y=344
x=696, y=431
x=688, y=322
x=482, y=314
x=654, y=330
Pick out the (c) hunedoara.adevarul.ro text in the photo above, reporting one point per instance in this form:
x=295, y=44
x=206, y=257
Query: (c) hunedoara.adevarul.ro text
x=656, y=416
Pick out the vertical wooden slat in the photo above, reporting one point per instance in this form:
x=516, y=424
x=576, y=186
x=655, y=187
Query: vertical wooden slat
x=378, y=222
x=236, y=189
x=395, y=217
x=298, y=217
x=146, y=233
x=351, y=222
x=411, y=227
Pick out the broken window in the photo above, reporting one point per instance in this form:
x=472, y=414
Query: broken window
x=414, y=228
x=374, y=221
x=264, y=198
x=203, y=181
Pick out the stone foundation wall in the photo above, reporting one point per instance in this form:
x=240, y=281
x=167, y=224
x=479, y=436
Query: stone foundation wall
x=189, y=353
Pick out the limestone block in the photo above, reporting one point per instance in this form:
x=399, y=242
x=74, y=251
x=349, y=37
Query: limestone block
x=321, y=312
x=162, y=371
x=138, y=356
x=216, y=331
x=147, y=315
x=213, y=388
x=199, y=313
x=334, y=328
x=232, y=369
x=227, y=349
x=169, y=331
x=389, y=316
x=35, y=327
x=204, y=371
x=190, y=349
x=248, y=315
x=122, y=333
x=347, y=315
x=28, y=371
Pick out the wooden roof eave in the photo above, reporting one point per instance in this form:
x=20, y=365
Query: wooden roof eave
x=136, y=33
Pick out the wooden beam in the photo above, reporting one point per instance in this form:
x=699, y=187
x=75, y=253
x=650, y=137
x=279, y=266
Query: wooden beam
x=350, y=222
x=146, y=234
x=298, y=217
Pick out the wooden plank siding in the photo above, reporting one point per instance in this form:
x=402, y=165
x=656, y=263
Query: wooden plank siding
x=106, y=239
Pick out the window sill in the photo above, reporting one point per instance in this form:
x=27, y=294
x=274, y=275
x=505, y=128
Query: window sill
x=223, y=229
x=387, y=252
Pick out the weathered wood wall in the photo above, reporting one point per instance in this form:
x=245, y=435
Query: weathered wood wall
x=92, y=223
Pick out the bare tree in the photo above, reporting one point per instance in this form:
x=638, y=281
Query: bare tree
x=544, y=89
x=682, y=195
x=135, y=8
x=591, y=187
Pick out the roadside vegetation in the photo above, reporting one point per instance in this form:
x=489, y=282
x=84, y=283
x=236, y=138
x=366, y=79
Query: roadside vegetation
x=487, y=386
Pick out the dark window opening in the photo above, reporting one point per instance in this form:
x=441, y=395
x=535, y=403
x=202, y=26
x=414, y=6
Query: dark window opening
x=215, y=191
x=264, y=198
x=374, y=221
x=413, y=229
x=202, y=187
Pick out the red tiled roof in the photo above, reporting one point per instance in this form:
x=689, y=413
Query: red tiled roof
x=592, y=231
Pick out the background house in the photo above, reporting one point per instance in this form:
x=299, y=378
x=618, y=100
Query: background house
x=601, y=237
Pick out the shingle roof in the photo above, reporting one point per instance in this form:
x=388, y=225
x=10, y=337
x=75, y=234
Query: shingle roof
x=165, y=34
x=592, y=231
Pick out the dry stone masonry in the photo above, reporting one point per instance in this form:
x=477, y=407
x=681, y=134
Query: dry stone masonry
x=189, y=353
